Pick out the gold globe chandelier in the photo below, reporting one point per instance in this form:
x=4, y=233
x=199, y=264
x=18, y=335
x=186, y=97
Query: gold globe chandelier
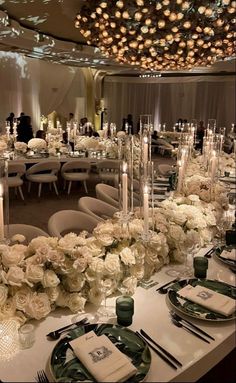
x=160, y=34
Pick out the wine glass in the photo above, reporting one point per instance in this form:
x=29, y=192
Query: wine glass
x=105, y=285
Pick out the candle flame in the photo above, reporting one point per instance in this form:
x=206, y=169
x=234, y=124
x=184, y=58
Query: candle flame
x=145, y=189
x=125, y=166
x=145, y=140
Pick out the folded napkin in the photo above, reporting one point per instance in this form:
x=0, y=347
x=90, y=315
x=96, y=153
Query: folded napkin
x=229, y=254
x=208, y=298
x=102, y=359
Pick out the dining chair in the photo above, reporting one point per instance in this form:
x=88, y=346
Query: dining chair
x=65, y=221
x=43, y=172
x=164, y=169
x=108, y=194
x=14, y=179
x=28, y=231
x=108, y=171
x=96, y=208
x=76, y=171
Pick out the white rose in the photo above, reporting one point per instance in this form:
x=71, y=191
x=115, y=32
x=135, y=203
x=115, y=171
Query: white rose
x=95, y=295
x=80, y=264
x=127, y=257
x=50, y=279
x=75, y=302
x=34, y=273
x=43, y=251
x=8, y=309
x=68, y=242
x=38, y=307
x=22, y=298
x=53, y=293
x=74, y=282
x=57, y=257
x=18, y=238
x=13, y=255
x=15, y=276
x=3, y=294
x=137, y=271
x=128, y=286
x=135, y=227
x=35, y=243
x=112, y=264
x=105, y=239
x=20, y=318
x=177, y=233
x=97, y=266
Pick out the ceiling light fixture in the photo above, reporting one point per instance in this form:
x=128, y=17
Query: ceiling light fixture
x=160, y=34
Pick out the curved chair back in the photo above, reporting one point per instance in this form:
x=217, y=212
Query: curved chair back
x=15, y=172
x=65, y=221
x=75, y=165
x=28, y=231
x=164, y=169
x=108, y=170
x=52, y=166
x=16, y=168
x=96, y=208
x=108, y=194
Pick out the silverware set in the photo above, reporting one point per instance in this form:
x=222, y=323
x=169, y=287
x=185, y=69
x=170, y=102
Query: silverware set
x=164, y=288
x=41, y=377
x=54, y=335
x=190, y=327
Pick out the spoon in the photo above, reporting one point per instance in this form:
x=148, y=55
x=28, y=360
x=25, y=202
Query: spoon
x=164, y=288
x=54, y=335
x=178, y=324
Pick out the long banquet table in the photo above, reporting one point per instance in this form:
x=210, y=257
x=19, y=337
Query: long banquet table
x=152, y=314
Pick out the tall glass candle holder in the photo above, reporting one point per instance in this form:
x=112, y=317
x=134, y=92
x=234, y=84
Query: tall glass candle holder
x=4, y=201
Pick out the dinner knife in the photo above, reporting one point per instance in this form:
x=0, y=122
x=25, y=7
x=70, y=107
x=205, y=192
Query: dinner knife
x=162, y=356
x=160, y=347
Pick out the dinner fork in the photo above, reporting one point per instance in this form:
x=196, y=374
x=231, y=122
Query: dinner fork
x=42, y=377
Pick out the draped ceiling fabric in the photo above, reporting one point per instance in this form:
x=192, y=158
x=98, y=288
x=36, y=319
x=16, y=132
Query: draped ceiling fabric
x=38, y=88
x=168, y=99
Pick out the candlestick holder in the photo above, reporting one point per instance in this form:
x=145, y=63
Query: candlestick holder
x=4, y=201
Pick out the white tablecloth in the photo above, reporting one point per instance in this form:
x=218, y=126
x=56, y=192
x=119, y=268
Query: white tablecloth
x=152, y=314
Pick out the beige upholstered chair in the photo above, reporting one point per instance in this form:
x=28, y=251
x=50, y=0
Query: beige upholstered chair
x=96, y=208
x=15, y=173
x=109, y=171
x=108, y=194
x=66, y=221
x=43, y=172
x=76, y=171
x=164, y=169
x=28, y=231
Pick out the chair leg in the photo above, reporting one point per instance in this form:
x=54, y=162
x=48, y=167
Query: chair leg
x=29, y=187
x=69, y=187
x=55, y=188
x=40, y=189
x=85, y=186
x=21, y=193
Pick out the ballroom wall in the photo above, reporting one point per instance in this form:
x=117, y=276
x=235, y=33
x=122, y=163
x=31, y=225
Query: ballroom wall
x=168, y=99
x=37, y=88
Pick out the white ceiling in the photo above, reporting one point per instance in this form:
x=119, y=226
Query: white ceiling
x=45, y=29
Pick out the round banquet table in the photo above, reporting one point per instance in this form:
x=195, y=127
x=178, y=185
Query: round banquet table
x=151, y=314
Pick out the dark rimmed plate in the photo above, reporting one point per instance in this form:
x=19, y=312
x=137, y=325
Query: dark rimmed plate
x=193, y=309
x=66, y=367
x=230, y=263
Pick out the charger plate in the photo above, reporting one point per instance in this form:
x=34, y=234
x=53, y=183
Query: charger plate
x=228, y=262
x=66, y=367
x=193, y=309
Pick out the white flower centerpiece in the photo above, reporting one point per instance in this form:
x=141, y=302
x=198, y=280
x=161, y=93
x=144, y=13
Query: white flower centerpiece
x=20, y=147
x=50, y=273
x=37, y=144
